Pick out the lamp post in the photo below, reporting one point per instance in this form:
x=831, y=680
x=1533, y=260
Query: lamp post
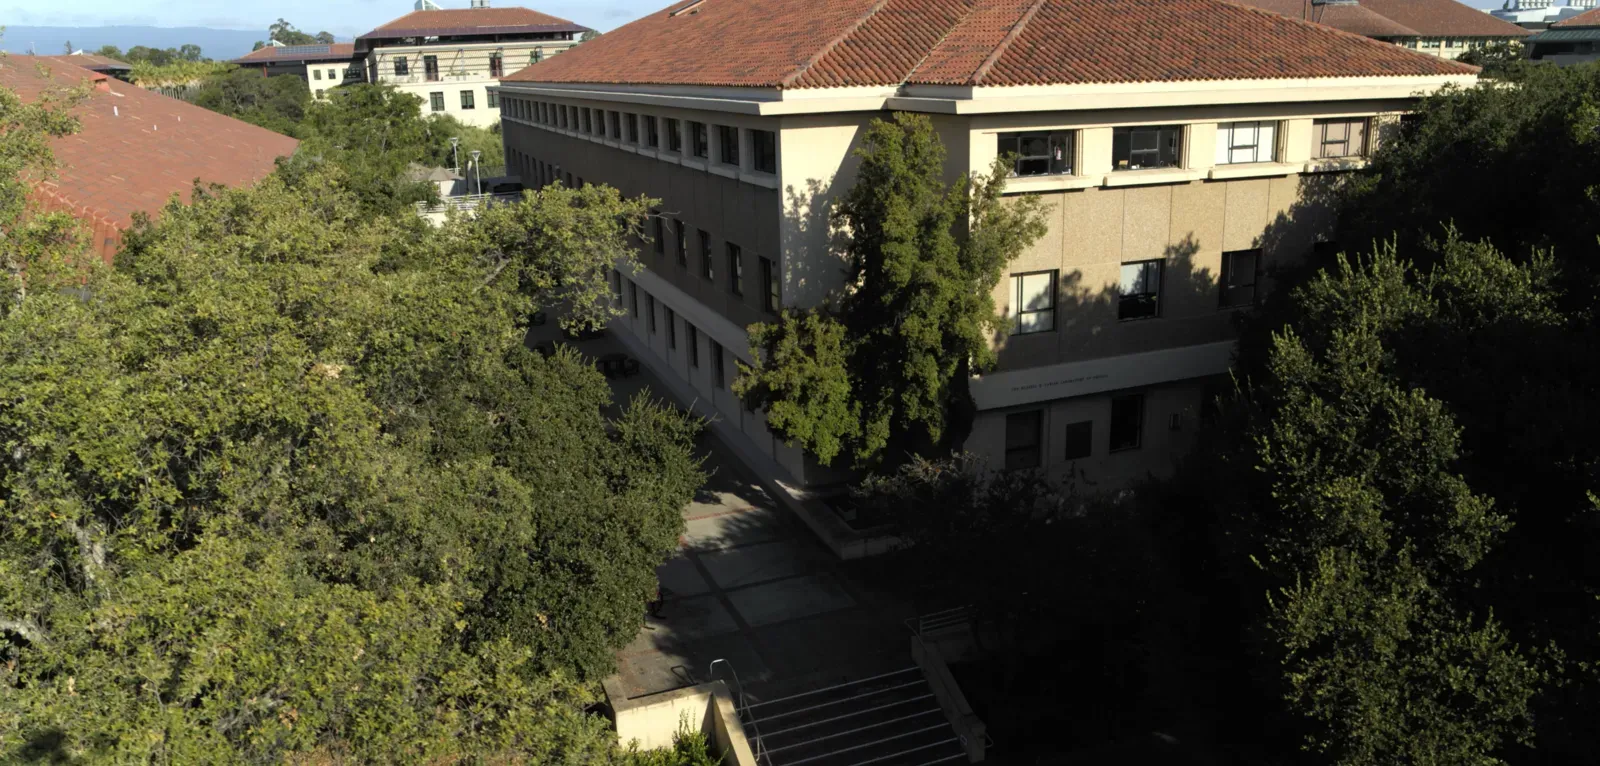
x=479, y=168
x=455, y=157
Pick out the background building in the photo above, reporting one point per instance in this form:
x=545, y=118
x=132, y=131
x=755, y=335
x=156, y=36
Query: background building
x=1443, y=28
x=1180, y=159
x=450, y=58
x=136, y=149
x=102, y=64
x=321, y=66
x=1572, y=41
x=1539, y=14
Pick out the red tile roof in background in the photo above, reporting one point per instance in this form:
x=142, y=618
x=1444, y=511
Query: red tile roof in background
x=96, y=61
x=269, y=54
x=464, y=21
x=831, y=43
x=135, y=149
x=1411, y=18
x=1589, y=18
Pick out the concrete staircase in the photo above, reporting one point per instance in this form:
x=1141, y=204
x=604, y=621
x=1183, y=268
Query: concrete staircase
x=885, y=720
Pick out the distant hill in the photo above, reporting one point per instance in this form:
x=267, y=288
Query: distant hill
x=219, y=44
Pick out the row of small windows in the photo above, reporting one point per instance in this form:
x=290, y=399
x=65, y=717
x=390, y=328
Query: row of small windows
x=469, y=100
x=350, y=73
x=1033, y=295
x=719, y=365
x=1054, y=152
x=430, y=65
x=676, y=232
x=1024, y=445
x=652, y=132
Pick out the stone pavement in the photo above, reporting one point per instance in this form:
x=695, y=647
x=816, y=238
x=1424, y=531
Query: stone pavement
x=751, y=585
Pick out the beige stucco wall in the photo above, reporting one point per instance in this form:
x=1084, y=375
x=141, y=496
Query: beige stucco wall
x=462, y=67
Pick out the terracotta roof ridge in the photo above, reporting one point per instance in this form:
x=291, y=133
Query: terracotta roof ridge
x=1335, y=30
x=972, y=6
x=1005, y=43
x=831, y=44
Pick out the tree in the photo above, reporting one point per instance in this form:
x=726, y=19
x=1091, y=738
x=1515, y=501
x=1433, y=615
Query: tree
x=110, y=51
x=286, y=484
x=882, y=366
x=189, y=52
x=1373, y=539
x=325, y=38
x=286, y=34
x=66, y=48
x=588, y=34
x=274, y=103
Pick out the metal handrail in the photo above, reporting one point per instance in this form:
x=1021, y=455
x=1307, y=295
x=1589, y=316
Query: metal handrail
x=810, y=708
x=879, y=742
x=839, y=686
x=740, y=708
x=856, y=730
x=847, y=715
x=465, y=202
x=945, y=618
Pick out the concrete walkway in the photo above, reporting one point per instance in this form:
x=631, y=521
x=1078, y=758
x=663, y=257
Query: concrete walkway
x=750, y=584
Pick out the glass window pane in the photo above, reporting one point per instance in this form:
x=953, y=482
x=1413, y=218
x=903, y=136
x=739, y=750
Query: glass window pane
x=1036, y=291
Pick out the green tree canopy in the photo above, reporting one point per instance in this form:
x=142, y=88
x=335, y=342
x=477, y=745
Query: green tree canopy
x=286, y=34
x=274, y=103
x=286, y=483
x=882, y=366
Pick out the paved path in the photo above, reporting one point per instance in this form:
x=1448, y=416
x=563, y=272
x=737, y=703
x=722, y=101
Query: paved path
x=751, y=585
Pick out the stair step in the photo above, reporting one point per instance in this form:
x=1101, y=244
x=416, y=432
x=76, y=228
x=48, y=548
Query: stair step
x=891, y=719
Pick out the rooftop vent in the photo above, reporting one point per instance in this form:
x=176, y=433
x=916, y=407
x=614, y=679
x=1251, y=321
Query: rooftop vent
x=480, y=3
x=427, y=5
x=693, y=7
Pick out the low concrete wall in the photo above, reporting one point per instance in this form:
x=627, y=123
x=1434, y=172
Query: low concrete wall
x=974, y=735
x=651, y=721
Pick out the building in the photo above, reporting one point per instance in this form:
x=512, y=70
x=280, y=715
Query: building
x=1180, y=158
x=321, y=66
x=102, y=64
x=451, y=58
x=1444, y=28
x=1539, y=14
x=1572, y=41
x=136, y=149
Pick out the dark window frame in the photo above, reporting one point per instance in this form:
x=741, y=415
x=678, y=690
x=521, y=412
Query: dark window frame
x=728, y=151
x=699, y=140
x=1078, y=440
x=764, y=151
x=661, y=234
x=708, y=268
x=674, y=134
x=1144, y=304
x=1017, y=308
x=652, y=135
x=436, y=101
x=1024, y=454
x=650, y=315
x=1027, y=162
x=430, y=68
x=1349, y=134
x=1232, y=292
x=771, y=288
x=497, y=65
x=1121, y=405
x=672, y=328
x=718, y=370
x=1129, y=152
x=630, y=121
x=469, y=100
x=402, y=68
x=735, y=257
x=614, y=123
x=683, y=243
x=692, y=334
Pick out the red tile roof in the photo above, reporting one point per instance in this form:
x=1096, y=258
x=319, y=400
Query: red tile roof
x=98, y=62
x=829, y=43
x=271, y=53
x=1589, y=18
x=1410, y=18
x=466, y=21
x=134, y=148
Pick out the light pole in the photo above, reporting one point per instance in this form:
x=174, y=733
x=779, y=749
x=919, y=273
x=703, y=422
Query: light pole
x=455, y=157
x=479, y=168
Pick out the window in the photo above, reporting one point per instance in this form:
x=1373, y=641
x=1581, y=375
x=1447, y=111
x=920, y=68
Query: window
x=706, y=269
x=650, y=312
x=1127, y=421
x=728, y=145
x=661, y=234
x=652, y=139
x=333, y=74
x=1038, y=152
x=1239, y=142
x=1239, y=269
x=616, y=284
x=717, y=370
x=1080, y=439
x=1141, y=148
x=735, y=269
x=468, y=101
x=629, y=121
x=616, y=124
x=700, y=140
x=1140, y=290
x=693, y=334
x=316, y=74
x=497, y=66
x=588, y=120
x=436, y=101
x=1033, y=299
x=401, y=68
x=1434, y=43
x=1024, y=439
x=672, y=328
x=764, y=145
x=683, y=243
x=536, y=56
x=769, y=282
x=1344, y=137
x=633, y=297
x=674, y=137
x=561, y=113
x=494, y=100
x=430, y=68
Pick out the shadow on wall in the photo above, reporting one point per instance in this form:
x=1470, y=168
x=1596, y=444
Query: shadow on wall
x=814, y=260
x=1191, y=309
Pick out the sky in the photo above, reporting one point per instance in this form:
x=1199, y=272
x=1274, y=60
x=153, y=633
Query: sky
x=344, y=18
